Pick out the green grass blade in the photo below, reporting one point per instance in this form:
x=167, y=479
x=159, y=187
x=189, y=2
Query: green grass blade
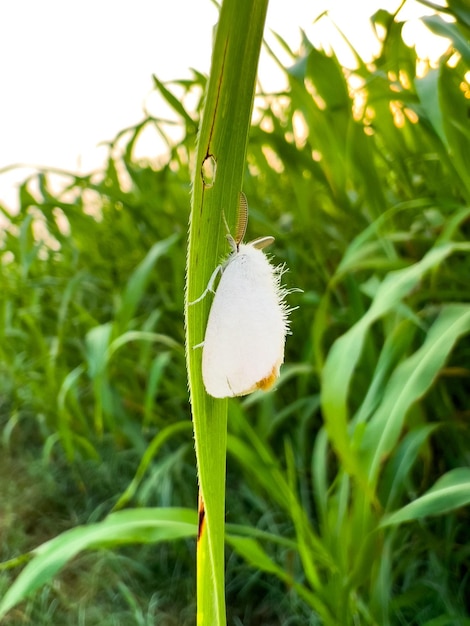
x=135, y=526
x=217, y=182
x=157, y=442
x=451, y=31
x=173, y=101
x=97, y=342
x=450, y=492
x=138, y=281
x=253, y=553
x=398, y=470
x=338, y=370
x=409, y=382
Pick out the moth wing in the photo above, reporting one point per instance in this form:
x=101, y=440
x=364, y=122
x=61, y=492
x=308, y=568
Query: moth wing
x=245, y=335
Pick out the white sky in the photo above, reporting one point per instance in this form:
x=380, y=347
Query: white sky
x=73, y=74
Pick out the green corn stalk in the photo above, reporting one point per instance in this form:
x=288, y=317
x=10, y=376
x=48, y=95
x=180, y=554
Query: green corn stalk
x=217, y=182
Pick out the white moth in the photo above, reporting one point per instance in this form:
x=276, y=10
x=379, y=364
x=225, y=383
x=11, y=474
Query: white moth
x=245, y=335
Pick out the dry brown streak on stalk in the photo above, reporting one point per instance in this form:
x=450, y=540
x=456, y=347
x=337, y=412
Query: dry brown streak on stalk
x=201, y=517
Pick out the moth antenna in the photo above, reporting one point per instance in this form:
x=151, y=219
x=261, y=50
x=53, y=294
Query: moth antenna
x=242, y=218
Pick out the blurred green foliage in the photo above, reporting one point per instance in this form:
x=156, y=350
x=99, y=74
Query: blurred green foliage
x=362, y=176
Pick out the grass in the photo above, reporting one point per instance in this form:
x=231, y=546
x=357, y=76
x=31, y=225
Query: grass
x=110, y=587
x=366, y=190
